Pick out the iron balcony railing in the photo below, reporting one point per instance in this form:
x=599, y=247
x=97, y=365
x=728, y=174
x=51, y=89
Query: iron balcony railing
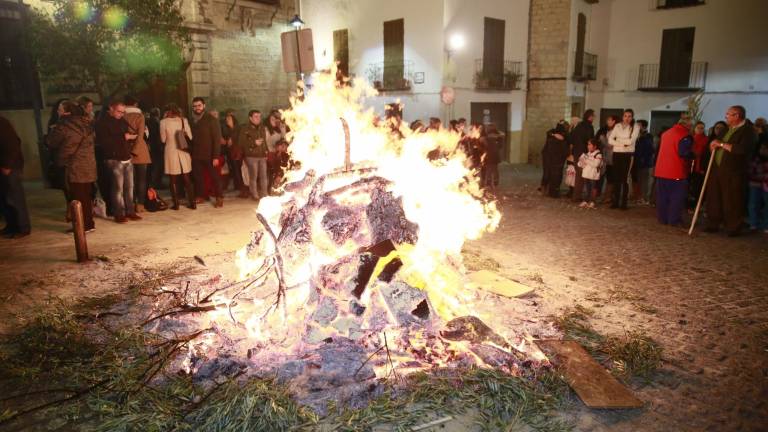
x=588, y=70
x=649, y=78
x=670, y=4
x=509, y=77
x=391, y=76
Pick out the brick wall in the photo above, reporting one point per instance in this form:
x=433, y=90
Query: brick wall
x=547, y=99
x=238, y=58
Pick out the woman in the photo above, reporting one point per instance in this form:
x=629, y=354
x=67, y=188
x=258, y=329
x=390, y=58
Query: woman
x=73, y=136
x=622, y=138
x=606, y=180
x=55, y=172
x=174, y=128
x=234, y=153
x=276, y=132
x=554, y=155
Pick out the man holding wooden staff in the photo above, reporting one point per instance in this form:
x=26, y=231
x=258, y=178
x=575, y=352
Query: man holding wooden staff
x=728, y=176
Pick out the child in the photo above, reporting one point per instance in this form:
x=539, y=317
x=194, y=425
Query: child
x=591, y=164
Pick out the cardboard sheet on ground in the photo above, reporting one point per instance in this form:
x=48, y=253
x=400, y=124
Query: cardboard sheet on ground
x=497, y=284
x=596, y=387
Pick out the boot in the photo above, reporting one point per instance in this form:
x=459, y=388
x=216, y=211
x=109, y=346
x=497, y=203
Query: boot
x=140, y=208
x=191, y=202
x=219, y=202
x=174, y=195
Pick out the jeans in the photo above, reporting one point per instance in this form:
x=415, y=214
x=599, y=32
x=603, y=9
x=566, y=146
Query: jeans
x=13, y=203
x=122, y=187
x=590, y=187
x=140, y=181
x=257, y=176
x=758, y=207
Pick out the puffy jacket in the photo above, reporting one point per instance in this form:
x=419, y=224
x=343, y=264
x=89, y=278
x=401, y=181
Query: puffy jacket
x=623, y=138
x=674, y=153
x=74, y=138
x=591, y=164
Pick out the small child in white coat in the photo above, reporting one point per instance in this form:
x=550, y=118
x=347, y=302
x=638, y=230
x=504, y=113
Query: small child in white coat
x=591, y=164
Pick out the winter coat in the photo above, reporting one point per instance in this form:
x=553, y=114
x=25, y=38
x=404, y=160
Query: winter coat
x=206, y=145
x=140, y=149
x=623, y=138
x=247, y=135
x=492, y=149
x=74, y=138
x=743, y=140
x=110, y=137
x=176, y=161
x=555, y=151
x=644, y=152
x=591, y=164
x=10, y=146
x=580, y=136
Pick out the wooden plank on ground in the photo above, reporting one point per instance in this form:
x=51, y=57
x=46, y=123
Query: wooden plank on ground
x=497, y=284
x=596, y=387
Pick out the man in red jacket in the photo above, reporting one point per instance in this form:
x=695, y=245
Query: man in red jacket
x=672, y=172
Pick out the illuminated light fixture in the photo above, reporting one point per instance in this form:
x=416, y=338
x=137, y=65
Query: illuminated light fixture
x=296, y=22
x=456, y=42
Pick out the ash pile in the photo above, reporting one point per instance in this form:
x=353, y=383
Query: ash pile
x=330, y=307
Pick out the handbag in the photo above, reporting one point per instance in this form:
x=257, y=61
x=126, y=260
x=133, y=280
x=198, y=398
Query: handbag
x=182, y=140
x=570, y=176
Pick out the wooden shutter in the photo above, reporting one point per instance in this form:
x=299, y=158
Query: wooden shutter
x=394, y=53
x=493, y=51
x=341, y=50
x=581, y=32
x=676, y=57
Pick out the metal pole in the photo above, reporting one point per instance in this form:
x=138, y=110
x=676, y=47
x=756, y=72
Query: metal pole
x=78, y=231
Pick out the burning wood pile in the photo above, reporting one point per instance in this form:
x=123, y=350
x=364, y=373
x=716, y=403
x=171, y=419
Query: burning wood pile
x=355, y=276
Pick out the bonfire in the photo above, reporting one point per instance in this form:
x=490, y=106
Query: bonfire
x=355, y=273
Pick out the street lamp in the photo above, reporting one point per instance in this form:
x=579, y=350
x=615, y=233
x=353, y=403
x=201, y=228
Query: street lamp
x=296, y=22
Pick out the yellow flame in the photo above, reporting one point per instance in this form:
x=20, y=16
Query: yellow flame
x=441, y=196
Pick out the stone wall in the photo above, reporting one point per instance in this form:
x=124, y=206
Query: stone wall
x=547, y=100
x=238, y=59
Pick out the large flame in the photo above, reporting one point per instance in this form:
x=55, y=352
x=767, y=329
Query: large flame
x=441, y=196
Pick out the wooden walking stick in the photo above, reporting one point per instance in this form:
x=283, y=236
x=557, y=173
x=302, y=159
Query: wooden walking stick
x=78, y=230
x=701, y=194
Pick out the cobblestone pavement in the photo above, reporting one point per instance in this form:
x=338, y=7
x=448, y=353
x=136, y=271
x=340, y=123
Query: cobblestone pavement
x=704, y=299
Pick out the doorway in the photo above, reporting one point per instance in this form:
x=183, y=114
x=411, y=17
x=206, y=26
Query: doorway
x=496, y=113
x=663, y=120
x=676, y=57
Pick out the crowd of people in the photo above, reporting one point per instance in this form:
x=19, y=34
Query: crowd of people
x=668, y=171
x=114, y=161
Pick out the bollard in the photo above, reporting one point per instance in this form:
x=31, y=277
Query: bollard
x=78, y=229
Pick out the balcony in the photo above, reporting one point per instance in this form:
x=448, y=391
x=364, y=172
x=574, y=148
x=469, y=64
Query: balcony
x=391, y=76
x=507, y=78
x=652, y=77
x=671, y=4
x=587, y=69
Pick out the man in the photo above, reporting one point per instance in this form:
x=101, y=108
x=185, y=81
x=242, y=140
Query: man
x=13, y=203
x=580, y=136
x=206, y=149
x=725, y=187
x=139, y=150
x=672, y=168
x=115, y=142
x=644, y=153
x=252, y=141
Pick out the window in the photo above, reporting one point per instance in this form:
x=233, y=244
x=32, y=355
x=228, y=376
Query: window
x=341, y=51
x=676, y=57
x=669, y=4
x=493, y=52
x=17, y=83
x=394, y=54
